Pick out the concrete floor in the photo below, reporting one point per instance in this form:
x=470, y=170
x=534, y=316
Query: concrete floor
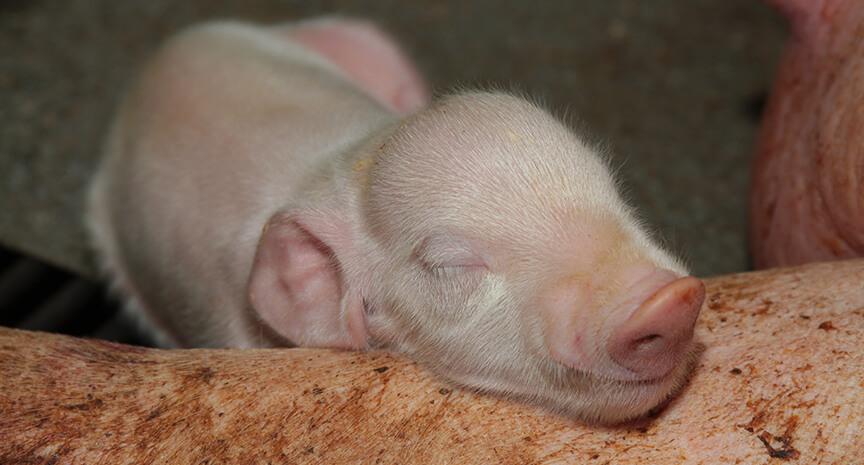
x=673, y=85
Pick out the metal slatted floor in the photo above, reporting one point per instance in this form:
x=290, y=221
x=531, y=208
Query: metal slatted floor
x=40, y=297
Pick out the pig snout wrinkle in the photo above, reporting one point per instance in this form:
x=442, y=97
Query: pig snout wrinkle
x=657, y=336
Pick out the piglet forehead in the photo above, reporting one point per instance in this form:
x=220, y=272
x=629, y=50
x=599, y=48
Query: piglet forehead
x=485, y=163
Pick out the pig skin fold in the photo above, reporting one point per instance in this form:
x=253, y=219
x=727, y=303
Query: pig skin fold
x=780, y=381
x=807, y=193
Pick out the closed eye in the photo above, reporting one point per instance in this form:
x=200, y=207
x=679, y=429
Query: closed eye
x=444, y=254
x=447, y=271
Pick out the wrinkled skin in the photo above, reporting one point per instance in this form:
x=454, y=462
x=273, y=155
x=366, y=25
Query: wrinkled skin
x=288, y=186
x=807, y=199
x=779, y=381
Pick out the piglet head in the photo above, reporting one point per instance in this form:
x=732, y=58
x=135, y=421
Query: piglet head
x=485, y=239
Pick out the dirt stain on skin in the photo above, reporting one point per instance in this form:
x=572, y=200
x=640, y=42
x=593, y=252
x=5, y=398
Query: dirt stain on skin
x=781, y=448
x=776, y=445
x=764, y=307
x=773, y=425
x=92, y=403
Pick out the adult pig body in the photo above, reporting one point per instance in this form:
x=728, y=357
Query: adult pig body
x=479, y=236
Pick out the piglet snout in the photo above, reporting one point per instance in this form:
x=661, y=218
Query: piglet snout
x=656, y=337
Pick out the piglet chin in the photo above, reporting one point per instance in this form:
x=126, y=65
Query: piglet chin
x=635, y=399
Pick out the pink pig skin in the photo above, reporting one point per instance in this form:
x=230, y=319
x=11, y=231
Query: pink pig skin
x=290, y=186
x=807, y=198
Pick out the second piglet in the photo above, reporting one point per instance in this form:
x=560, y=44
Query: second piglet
x=291, y=186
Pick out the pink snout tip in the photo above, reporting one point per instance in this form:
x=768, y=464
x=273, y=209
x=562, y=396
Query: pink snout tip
x=656, y=337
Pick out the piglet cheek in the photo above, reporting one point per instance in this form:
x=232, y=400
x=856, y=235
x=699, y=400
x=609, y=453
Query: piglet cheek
x=570, y=331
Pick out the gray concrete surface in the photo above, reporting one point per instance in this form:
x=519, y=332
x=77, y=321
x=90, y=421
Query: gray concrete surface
x=672, y=85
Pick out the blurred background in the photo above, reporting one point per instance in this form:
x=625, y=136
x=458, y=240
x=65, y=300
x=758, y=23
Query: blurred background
x=674, y=87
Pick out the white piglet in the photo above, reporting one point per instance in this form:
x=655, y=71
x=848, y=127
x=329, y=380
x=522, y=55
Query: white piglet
x=291, y=185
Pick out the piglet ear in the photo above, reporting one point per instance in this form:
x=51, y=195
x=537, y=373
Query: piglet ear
x=297, y=286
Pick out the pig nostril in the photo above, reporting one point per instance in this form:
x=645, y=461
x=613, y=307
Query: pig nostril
x=656, y=336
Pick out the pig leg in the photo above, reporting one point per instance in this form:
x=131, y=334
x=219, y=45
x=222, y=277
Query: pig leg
x=780, y=382
x=372, y=60
x=807, y=190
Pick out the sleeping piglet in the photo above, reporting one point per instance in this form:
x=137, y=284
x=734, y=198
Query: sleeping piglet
x=291, y=185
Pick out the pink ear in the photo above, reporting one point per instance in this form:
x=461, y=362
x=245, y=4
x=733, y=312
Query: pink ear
x=296, y=284
x=369, y=57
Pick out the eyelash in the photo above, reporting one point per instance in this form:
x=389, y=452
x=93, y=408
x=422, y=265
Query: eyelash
x=440, y=271
x=443, y=271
